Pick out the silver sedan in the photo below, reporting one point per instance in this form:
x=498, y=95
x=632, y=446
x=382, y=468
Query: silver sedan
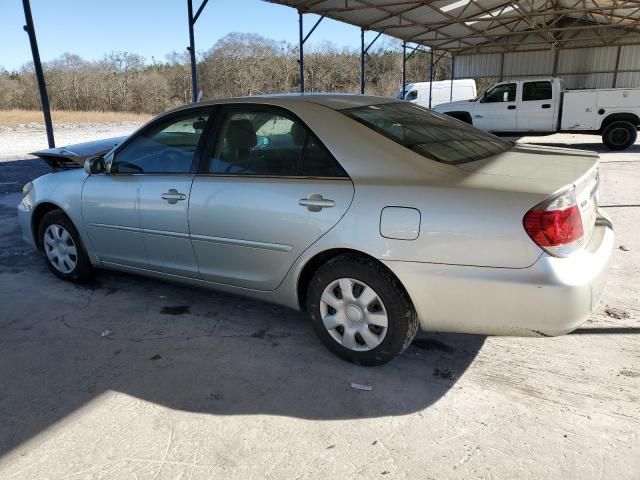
x=376, y=217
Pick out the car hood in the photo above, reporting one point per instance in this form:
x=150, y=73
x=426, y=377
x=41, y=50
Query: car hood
x=71, y=156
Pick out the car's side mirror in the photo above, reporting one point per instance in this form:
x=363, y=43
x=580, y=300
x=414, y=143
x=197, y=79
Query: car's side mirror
x=93, y=165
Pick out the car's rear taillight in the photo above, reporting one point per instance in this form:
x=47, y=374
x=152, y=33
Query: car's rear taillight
x=555, y=225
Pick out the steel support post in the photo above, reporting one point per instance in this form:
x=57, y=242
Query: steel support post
x=404, y=68
x=192, y=47
x=303, y=39
x=363, y=51
x=42, y=86
x=431, y=78
x=192, y=54
x=362, y=61
x=615, y=72
x=556, y=59
x=301, y=58
x=453, y=67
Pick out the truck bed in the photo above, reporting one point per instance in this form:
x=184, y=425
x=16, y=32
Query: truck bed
x=585, y=109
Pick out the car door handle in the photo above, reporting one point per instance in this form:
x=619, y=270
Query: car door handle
x=173, y=196
x=511, y=107
x=546, y=105
x=316, y=202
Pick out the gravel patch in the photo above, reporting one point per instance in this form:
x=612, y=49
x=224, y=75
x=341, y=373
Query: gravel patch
x=17, y=142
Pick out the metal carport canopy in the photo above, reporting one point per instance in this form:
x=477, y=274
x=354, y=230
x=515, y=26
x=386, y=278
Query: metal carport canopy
x=492, y=26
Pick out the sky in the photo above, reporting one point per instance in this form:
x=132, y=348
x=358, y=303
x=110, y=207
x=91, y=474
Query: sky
x=92, y=28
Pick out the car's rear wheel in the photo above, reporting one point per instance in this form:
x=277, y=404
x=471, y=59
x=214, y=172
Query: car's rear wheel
x=62, y=248
x=360, y=311
x=619, y=135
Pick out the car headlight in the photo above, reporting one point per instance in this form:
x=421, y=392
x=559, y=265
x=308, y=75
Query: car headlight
x=27, y=188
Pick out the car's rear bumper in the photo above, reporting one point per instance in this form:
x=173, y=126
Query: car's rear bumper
x=552, y=297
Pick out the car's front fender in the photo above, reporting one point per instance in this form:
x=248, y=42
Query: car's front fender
x=62, y=190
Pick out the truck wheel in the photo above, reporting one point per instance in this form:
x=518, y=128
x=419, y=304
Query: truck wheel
x=619, y=135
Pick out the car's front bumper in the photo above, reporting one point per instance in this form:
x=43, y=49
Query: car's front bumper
x=25, y=209
x=552, y=297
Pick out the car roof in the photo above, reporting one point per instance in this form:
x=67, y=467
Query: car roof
x=335, y=101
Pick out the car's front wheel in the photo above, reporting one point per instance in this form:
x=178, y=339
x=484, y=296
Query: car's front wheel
x=360, y=311
x=62, y=248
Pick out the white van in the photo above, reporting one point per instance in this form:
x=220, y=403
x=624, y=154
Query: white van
x=463, y=89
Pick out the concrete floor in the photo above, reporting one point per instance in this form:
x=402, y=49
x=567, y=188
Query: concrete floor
x=133, y=378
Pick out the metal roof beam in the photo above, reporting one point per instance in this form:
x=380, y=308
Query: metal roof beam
x=484, y=23
x=199, y=11
x=633, y=28
x=476, y=18
x=315, y=25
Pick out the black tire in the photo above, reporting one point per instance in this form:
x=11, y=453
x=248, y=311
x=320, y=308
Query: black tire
x=82, y=270
x=401, y=316
x=619, y=135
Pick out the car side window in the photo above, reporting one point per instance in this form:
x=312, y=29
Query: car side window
x=501, y=93
x=536, y=91
x=169, y=147
x=268, y=143
x=412, y=95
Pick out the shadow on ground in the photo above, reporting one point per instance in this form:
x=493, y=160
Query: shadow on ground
x=62, y=346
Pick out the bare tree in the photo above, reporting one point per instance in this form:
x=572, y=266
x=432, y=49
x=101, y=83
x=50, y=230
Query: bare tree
x=237, y=64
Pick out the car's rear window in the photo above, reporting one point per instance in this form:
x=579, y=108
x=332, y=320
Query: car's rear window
x=431, y=134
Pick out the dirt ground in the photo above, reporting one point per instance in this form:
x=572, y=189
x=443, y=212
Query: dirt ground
x=140, y=379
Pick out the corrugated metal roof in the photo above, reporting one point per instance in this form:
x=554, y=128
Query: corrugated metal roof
x=472, y=26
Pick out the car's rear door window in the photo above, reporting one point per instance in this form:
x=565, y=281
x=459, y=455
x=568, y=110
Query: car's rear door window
x=270, y=143
x=428, y=133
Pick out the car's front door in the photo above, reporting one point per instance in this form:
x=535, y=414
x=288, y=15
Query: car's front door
x=269, y=190
x=110, y=215
x=496, y=110
x=137, y=214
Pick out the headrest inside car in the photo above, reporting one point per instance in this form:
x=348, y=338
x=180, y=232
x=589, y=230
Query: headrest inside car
x=241, y=134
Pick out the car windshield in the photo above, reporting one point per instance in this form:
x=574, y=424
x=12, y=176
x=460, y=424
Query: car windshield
x=428, y=133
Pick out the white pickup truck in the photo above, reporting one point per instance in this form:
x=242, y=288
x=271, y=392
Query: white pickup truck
x=543, y=105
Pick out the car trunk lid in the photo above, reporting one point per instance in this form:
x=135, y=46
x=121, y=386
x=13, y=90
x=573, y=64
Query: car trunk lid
x=551, y=170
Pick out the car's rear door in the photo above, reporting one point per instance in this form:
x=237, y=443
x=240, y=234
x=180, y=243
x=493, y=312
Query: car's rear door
x=268, y=190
